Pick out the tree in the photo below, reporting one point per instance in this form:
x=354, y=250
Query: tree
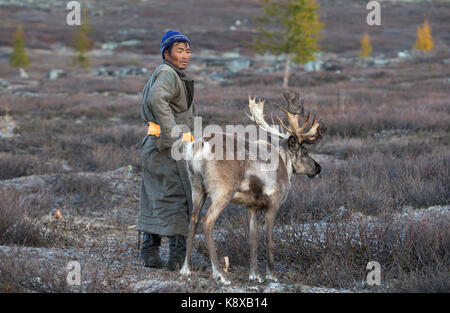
x=82, y=42
x=366, y=47
x=424, y=40
x=19, y=55
x=296, y=29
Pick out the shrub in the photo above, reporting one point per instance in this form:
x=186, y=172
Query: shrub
x=366, y=47
x=424, y=40
x=19, y=215
x=82, y=42
x=19, y=55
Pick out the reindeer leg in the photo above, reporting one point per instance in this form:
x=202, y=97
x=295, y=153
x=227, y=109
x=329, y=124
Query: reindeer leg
x=218, y=203
x=198, y=199
x=253, y=227
x=270, y=217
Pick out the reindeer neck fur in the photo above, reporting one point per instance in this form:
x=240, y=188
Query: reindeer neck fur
x=286, y=156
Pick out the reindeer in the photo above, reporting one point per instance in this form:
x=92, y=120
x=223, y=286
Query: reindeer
x=242, y=182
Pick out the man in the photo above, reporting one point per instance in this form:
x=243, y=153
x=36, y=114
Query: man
x=165, y=200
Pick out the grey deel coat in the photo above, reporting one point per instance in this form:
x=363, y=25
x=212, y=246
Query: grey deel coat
x=165, y=199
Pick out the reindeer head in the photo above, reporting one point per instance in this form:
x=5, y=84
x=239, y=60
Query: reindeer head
x=296, y=136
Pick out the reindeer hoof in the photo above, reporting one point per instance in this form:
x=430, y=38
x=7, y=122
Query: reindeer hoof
x=221, y=278
x=271, y=277
x=185, y=271
x=255, y=277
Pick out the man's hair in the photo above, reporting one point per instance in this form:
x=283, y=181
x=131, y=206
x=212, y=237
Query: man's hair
x=169, y=49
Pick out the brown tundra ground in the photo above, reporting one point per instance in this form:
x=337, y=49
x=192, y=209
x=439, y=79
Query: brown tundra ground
x=72, y=143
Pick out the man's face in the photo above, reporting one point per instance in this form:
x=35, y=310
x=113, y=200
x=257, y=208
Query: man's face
x=180, y=55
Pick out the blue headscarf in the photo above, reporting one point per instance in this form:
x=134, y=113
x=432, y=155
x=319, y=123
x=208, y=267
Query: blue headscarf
x=169, y=38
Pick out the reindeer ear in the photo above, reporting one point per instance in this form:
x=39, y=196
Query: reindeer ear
x=293, y=143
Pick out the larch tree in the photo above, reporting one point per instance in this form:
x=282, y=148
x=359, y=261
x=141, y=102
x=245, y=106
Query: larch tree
x=19, y=57
x=289, y=27
x=424, y=39
x=366, y=47
x=82, y=43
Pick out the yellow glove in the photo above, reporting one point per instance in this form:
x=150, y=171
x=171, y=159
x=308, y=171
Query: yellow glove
x=153, y=129
x=187, y=137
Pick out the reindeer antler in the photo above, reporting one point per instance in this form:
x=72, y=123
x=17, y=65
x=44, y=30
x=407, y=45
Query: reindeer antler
x=294, y=108
x=257, y=115
x=311, y=136
x=293, y=112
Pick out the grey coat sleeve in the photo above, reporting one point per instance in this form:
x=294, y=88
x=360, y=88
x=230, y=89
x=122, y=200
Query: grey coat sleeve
x=162, y=91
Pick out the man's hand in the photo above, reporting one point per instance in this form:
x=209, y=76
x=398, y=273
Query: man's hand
x=187, y=137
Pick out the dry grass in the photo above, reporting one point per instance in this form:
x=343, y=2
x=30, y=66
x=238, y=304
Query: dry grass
x=413, y=252
x=25, y=270
x=19, y=219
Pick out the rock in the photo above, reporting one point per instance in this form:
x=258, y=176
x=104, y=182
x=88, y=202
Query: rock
x=130, y=42
x=274, y=287
x=128, y=31
x=229, y=62
x=130, y=171
x=109, y=45
x=215, y=62
x=220, y=77
x=342, y=212
x=196, y=67
x=238, y=65
x=381, y=62
x=133, y=71
x=103, y=71
x=26, y=93
x=274, y=58
x=8, y=128
x=365, y=62
x=391, y=132
x=55, y=74
x=265, y=70
x=4, y=84
x=404, y=54
x=439, y=209
x=314, y=66
x=65, y=166
x=332, y=67
x=230, y=55
x=97, y=13
x=23, y=74
x=125, y=71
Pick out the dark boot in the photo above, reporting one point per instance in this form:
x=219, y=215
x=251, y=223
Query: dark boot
x=177, y=252
x=150, y=251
